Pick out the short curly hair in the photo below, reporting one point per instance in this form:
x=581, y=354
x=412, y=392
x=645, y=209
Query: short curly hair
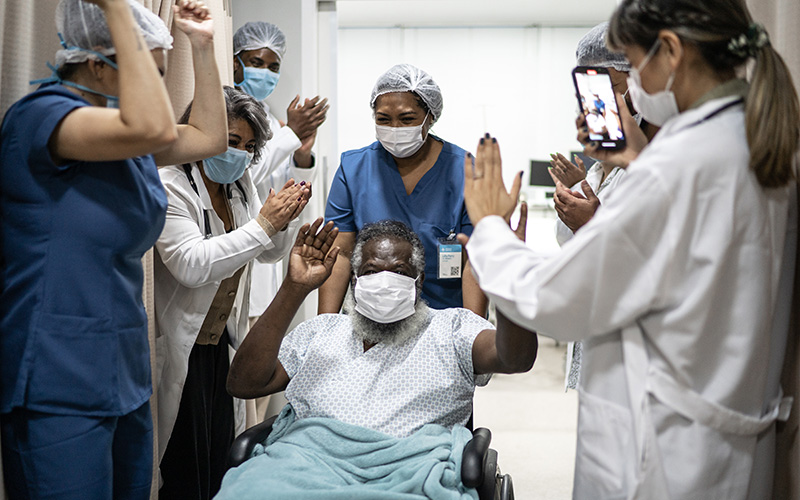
x=389, y=229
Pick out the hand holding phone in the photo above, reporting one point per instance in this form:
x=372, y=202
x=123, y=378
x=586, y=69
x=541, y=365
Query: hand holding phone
x=598, y=104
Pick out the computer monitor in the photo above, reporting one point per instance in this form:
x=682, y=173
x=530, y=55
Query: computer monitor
x=539, y=176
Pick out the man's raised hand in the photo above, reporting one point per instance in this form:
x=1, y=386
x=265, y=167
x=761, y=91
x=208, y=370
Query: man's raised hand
x=312, y=257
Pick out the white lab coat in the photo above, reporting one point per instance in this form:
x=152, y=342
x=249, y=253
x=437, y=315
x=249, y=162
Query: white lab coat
x=273, y=170
x=563, y=234
x=691, y=258
x=188, y=269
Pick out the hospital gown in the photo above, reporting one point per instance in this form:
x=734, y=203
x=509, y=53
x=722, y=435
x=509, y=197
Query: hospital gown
x=394, y=389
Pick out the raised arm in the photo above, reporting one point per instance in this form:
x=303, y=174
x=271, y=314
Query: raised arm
x=332, y=292
x=206, y=134
x=255, y=370
x=144, y=122
x=509, y=349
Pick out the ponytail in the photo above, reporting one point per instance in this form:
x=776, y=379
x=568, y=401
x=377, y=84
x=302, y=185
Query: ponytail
x=727, y=38
x=772, y=120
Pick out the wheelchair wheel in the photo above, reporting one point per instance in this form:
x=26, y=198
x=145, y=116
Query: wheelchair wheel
x=506, y=487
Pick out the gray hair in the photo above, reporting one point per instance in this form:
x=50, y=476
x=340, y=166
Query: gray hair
x=241, y=105
x=389, y=229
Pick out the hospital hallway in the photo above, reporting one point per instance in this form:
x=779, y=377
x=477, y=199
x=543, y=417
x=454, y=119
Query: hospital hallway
x=533, y=425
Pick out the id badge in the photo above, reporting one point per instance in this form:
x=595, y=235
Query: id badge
x=449, y=252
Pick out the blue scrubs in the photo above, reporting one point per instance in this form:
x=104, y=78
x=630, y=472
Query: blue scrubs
x=368, y=188
x=73, y=329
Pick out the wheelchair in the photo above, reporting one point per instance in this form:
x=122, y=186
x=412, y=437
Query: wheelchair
x=479, y=468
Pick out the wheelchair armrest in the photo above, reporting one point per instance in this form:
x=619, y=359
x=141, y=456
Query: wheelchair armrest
x=243, y=445
x=474, y=457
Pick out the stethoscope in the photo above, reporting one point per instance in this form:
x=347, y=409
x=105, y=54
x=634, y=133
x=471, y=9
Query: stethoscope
x=188, y=169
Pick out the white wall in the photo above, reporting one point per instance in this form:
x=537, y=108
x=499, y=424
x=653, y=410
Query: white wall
x=308, y=68
x=512, y=82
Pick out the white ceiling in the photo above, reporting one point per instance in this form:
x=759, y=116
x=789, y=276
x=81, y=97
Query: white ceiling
x=439, y=13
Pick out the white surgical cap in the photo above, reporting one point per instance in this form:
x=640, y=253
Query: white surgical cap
x=83, y=26
x=408, y=78
x=593, y=51
x=258, y=35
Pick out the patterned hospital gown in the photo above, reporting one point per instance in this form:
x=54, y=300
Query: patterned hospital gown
x=394, y=389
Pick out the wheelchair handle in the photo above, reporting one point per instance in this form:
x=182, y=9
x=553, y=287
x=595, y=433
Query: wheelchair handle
x=474, y=457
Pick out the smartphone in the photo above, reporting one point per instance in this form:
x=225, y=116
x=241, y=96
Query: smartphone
x=597, y=102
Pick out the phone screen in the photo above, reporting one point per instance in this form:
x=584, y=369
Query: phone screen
x=597, y=102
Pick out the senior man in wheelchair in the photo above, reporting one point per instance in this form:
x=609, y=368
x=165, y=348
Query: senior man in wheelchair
x=378, y=396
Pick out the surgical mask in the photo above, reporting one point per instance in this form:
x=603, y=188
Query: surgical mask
x=112, y=101
x=258, y=82
x=401, y=142
x=227, y=167
x=385, y=297
x=655, y=108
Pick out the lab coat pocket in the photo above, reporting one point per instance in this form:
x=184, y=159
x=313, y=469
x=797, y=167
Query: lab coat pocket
x=604, y=448
x=704, y=463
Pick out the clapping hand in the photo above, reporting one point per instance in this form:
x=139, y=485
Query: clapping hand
x=284, y=206
x=311, y=260
x=573, y=208
x=304, y=120
x=567, y=172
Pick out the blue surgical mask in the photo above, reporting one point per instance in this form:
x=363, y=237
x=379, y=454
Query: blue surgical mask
x=227, y=167
x=258, y=82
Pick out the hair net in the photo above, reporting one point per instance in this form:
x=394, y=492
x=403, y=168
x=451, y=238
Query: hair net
x=593, y=51
x=83, y=27
x=408, y=78
x=258, y=35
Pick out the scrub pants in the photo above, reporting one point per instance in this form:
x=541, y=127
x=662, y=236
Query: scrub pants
x=196, y=457
x=68, y=457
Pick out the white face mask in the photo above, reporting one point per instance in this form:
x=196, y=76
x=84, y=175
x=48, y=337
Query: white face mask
x=655, y=108
x=385, y=297
x=401, y=142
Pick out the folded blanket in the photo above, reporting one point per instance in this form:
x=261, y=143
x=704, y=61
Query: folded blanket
x=323, y=458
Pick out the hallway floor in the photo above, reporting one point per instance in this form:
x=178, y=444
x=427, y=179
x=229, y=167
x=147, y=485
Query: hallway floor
x=533, y=425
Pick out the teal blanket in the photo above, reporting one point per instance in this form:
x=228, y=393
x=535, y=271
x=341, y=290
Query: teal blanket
x=323, y=458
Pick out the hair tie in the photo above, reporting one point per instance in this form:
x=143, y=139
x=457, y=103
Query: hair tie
x=748, y=44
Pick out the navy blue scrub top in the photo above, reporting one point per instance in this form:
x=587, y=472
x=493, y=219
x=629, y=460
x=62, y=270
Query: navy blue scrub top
x=73, y=329
x=368, y=188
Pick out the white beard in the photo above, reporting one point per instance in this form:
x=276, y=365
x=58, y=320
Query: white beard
x=387, y=333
